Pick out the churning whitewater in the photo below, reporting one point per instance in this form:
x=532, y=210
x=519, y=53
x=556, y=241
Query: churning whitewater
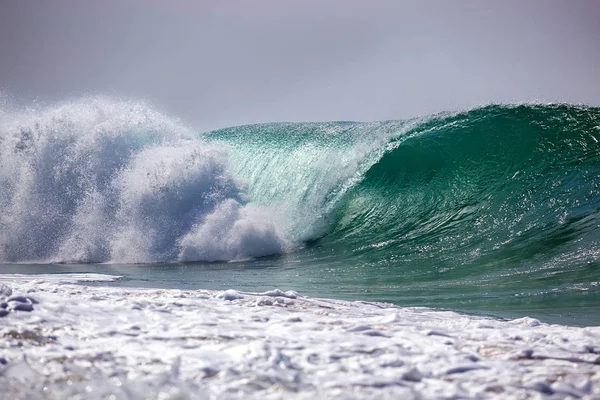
x=99, y=181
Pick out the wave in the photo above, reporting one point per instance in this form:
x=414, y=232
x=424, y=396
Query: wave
x=102, y=181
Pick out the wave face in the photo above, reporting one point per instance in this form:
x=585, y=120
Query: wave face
x=495, y=182
x=498, y=202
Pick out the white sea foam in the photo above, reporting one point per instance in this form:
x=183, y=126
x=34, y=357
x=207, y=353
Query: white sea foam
x=96, y=342
x=97, y=180
x=232, y=232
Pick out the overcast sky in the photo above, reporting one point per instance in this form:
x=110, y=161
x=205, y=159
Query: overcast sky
x=222, y=63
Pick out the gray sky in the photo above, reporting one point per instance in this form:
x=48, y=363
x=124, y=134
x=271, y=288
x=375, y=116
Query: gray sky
x=222, y=63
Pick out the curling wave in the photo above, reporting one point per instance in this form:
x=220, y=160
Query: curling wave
x=103, y=181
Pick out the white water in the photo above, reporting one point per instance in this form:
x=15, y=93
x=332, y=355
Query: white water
x=101, y=342
x=104, y=181
x=98, y=180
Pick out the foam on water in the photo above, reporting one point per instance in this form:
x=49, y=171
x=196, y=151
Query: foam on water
x=94, y=342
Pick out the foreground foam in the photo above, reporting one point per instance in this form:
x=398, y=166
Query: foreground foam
x=97, y=342
x=61, y=278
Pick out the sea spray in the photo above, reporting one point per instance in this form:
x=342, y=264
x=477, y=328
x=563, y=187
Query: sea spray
x=98, y=181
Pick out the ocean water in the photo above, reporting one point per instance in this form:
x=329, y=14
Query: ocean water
x=493, y=211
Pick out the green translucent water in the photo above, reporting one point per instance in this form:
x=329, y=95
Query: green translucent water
x=494, y=210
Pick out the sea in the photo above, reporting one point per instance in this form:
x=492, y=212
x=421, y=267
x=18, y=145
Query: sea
x=492, y=211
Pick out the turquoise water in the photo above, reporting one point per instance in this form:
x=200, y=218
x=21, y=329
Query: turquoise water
x=493, y=211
